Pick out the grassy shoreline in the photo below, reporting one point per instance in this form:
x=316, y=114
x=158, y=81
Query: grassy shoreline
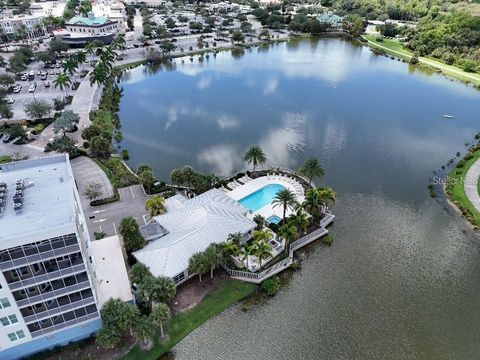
x=228, y=293
x=396, y=49
x=455, y=189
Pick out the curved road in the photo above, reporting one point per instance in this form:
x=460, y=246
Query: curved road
x=470, y=185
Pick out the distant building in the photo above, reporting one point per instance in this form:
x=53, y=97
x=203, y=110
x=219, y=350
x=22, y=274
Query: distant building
x=189, y=227
x=48, y=8
x=113, y=10
x=53, y=279
x=12, y=25
x=81, y=30
x=331, y=19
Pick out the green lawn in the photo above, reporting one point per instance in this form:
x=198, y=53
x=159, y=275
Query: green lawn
x=183, y=324
x=456, y=191
x=395, y=48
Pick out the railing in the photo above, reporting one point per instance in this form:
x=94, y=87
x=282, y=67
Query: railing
x=272, y=169
x=46, y=277
x=285, y=263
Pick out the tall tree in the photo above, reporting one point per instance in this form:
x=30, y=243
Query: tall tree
x=130, y=231
x=299, y=219
x=143, y=330
x=62, y=81
x=312, y=169
x=288, y=232
x=147, y=179
x=255, y=156
x=262, y=251
x=139, y=273
x=198, y=264
x=262, y=235
x=287, y=199
x=160, y=315
x=214, y=257
x=157, y=290
x=235, y=237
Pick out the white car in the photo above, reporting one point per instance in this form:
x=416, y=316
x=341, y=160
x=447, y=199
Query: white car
x=17, y=88
x=32, y=87
x=10, y=100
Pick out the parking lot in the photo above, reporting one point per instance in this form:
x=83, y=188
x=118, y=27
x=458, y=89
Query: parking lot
x=106, y=218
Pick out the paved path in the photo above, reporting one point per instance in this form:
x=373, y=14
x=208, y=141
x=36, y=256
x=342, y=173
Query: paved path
x=470, y=185
x=428, y=62
x=87, y=171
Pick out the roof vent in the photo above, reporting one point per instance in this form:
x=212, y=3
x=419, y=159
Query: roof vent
x=61, y=178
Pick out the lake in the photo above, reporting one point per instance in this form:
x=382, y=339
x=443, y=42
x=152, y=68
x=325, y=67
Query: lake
x=402, y=279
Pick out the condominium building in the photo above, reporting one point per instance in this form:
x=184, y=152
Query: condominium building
x=30, y=24
x=48, y=280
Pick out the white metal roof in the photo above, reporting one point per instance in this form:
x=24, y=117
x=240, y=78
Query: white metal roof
x=206, y=219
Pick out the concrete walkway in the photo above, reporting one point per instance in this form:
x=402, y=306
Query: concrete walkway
x=471, y=184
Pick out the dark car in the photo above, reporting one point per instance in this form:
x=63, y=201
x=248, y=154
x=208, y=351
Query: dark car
x=7, y=138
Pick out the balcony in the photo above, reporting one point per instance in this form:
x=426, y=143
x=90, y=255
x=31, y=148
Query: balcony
x=72, y=322
x=43, y=277
x=31, y=259
x=85, y=284
x=59, y=310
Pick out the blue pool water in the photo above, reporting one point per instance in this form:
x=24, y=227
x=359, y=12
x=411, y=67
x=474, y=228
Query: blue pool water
x=274, y=219
x=261, y=197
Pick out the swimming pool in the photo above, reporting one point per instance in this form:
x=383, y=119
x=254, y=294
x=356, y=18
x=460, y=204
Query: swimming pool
x=261, y=197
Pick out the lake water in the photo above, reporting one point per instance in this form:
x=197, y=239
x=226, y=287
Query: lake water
x=402, y=279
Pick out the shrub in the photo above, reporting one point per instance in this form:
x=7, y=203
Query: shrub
x=296, y=265
x=271, y=286
x=461, y=164
x=328, y=240
x=39, y=128
x=125, y=155
x=468, y=156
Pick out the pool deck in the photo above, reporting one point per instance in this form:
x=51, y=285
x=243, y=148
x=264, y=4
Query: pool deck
x=253, y=185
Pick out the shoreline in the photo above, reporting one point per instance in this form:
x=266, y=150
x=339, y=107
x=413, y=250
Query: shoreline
x=448, y=71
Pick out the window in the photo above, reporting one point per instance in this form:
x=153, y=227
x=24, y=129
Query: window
x=16, y=335
x=8, y=320
x=4, y=303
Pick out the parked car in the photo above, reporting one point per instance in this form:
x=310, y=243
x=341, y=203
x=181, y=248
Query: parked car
x=24, y=77
x=38, y=73
x=46, y=84
x=10, y=100
x=31, y=75
x=17, y=88
x=58, y=65
x=32, y=87
x=7, y=138
x=43, y=77
x=50, y=72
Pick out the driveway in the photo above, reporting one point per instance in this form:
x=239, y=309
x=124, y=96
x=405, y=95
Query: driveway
x=19, y=151
x=87, y=171
x=107, y=218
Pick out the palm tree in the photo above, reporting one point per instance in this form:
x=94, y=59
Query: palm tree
x=160, y=315
x=62, y=81
x=255, y=156
x=230, y=249
x=127, y=317
x=262, y=251
x=157, y=290
x=189, y=174
x=299, y=219
x=139, y=273
x=177, y=177
x=143, y=329
x=70, y=67
x=312, y=169
x=99, y=75
x=198, y=264
x=81, y=57
x=119, y=42
x=155, y=205
x=262, y=235
x=285, y=198
x=327, y=196
x=130, y=231
x=288, y=232
x=214, y=257
x=259, y=220
x=313, y=202
x=246, y=251
x=235, y=238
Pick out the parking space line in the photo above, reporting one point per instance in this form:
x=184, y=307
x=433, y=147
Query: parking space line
x=131, y=191
x=114, y=227
x=99, y=221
